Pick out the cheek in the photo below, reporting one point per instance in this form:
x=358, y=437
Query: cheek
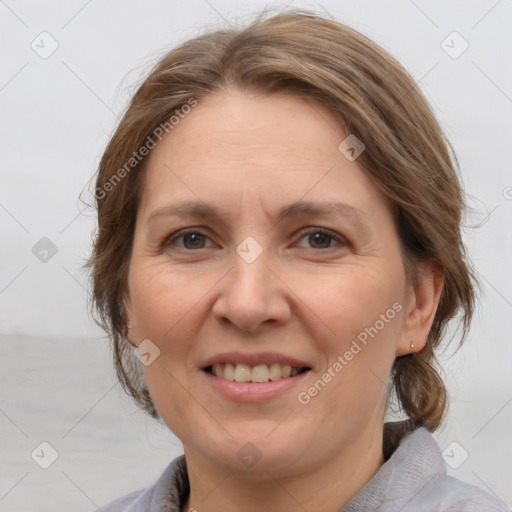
x=169, y=307
x=362, y=310
x=163, y=304
x=164, y=298
x=160, y=305
x=352, y=301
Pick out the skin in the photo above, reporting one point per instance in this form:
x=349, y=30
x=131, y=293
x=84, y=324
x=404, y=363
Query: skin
x=248, y=154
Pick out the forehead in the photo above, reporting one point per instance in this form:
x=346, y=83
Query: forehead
x=232, y=123
x=238, y=146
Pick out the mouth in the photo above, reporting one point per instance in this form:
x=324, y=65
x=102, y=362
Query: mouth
x=261, y=373
x=254, y=378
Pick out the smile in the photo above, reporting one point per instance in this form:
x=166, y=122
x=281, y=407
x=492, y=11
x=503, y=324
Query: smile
x=260, y=373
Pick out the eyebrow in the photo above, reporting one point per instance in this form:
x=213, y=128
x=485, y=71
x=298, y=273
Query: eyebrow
x=300, y=208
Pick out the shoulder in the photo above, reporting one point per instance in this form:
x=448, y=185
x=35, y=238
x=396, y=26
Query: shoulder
x=414, y=479
x=435, y=490
x=123, y=504
x=457, y=496
x=167, y=493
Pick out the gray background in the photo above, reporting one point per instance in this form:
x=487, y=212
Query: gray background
x=57, y=113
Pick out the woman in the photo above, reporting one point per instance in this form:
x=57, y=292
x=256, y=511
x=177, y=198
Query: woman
x=279, y=238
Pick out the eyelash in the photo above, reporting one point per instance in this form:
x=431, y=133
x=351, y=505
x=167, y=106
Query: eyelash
x=180, y=234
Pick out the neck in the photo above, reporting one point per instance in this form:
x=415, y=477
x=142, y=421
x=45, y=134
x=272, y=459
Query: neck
x=325, y=488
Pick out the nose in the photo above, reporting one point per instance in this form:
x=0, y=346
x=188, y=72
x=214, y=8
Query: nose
x=252, y=295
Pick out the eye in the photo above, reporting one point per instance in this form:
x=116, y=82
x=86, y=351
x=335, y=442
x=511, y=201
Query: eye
x=194, y=238
x=322, y=237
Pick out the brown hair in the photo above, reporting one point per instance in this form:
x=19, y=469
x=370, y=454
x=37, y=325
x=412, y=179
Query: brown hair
x=407, y=156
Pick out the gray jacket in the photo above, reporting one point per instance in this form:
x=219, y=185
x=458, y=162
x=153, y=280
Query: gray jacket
x=413, y=479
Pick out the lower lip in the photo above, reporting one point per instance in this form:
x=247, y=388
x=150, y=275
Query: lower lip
x=253, y=391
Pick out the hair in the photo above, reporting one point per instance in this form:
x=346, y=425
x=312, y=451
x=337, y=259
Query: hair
x=406, y=154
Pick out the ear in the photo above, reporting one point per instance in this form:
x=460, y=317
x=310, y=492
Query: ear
x=421, y=309
x=130, y=321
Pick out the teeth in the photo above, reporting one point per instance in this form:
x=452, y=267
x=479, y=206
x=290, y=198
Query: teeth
x=229, y=372
x=242, y=373
x=259, y=373
x=217, y=370
x=275, y=371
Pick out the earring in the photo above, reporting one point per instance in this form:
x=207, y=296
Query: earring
x=412, y=344
x=128, y=337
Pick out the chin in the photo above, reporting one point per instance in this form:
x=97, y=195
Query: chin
x=259, y=453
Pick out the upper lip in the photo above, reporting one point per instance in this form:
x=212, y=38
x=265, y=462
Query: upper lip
x=254, y=359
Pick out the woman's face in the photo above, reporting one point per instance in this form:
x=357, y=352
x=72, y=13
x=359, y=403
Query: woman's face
x=254, y=286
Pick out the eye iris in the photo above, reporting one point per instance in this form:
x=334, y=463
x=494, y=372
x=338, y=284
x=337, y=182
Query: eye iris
x=195, y=236
x=320, y=238
x=317, y=238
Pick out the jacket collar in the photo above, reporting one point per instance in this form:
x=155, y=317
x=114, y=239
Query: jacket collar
x=398, y=475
